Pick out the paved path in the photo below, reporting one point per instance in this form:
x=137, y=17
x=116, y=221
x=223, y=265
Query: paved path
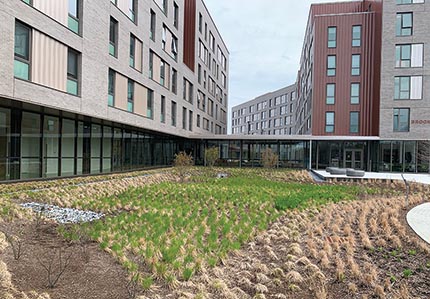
x=410, y=177
x=419, y=219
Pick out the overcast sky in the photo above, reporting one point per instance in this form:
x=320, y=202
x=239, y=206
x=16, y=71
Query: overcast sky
x=265, y=40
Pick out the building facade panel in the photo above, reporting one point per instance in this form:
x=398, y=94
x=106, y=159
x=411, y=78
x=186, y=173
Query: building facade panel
x=405, y=79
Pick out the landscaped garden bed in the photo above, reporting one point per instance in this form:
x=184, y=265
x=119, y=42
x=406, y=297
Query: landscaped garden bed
x=253, y=234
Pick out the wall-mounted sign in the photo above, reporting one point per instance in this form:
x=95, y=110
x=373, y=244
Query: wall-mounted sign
x=420, y=122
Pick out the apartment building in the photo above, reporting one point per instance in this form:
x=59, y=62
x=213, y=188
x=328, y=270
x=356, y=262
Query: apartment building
x=100, y=86
x=269, y=114
x=338, y=81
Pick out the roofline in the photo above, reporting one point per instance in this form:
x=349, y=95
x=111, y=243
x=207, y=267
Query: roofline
x=216, y=27
x=285, y=138
x=266, y=94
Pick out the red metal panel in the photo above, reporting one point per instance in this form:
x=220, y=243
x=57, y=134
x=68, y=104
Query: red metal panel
x=190, y=34
x=369, y=78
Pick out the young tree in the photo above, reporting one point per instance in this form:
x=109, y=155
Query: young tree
x=211, y=156
x=182, y=163
x=269, y=158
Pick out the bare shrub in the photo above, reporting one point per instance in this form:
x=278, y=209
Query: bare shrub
x=15, y=243
x=182, y=163
x=269, y=159
x=211, y=156
x=55, y=266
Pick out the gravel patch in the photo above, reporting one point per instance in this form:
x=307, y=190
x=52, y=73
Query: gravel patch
x=62, y=215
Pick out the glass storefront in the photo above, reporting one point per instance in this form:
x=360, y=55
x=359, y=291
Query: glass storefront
x=38, y=145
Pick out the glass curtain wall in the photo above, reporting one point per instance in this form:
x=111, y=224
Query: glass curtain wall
x=30, y=145
x=68, y=143
x=51, y=146
x=96, y=148
x=5, y=134
x=107, y=149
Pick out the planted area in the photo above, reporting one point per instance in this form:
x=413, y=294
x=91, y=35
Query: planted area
x=171, y=231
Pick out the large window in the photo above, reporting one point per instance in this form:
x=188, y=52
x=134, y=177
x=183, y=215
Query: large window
x=184, y=118
x=355, y=93
x=409, y=55
x=72, y=72
x=22, y=51
x=174, y=81
x=408, y=88
x=130, y=95
x=355, y=65
x=113, y=37
x=132, y=11
x=163, y=109
x=68, y=147
x=401, y=120
x=175, y=15
x=173, y=114
x=329, y=122
x=30, y=145
x=354, y=122
x=356, y=36
x=330, y=90
x=150, y=104
x=331, y=37
x=5, y=134
x=331, y=65
x=111, y=88
x=153, y=25
x=404, y=24
x=132, y=51
x=73, y=22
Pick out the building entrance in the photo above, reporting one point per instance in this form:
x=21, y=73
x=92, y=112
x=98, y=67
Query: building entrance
x=353, y=158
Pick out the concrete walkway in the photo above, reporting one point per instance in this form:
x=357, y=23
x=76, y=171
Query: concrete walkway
x=410, y=177
x=419, y=220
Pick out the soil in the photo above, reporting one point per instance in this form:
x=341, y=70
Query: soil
x=92, y=274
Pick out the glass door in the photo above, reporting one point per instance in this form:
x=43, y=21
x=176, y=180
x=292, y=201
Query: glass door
x=353, y=158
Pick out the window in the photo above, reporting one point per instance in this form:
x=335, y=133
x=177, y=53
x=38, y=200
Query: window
x=113, y=37
x=354, y=122
x=355, y=93
x=329, y=122
x=184, y=118
x=153, y=25
x=132, y=50
x=150, y=104
x=175, y=15
x=408, y=88
x=199, y=74
x=200, y=23
x=151, y=65
x=331, y=37
x=72, y=72
x=190, y=121
x=132, y=10
x=401, y=120
x=111, y=88
x=331, y=65
x=404, y=24
x=409, y=1
x=73, y=21
x=173, y=114
x=130, y=95
x=162, y=72
x=22, y=51
x=174, y=81
x=409, y=55
x=355, y=65
x=331, y=90
x=356, y=36
x=198, y=121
